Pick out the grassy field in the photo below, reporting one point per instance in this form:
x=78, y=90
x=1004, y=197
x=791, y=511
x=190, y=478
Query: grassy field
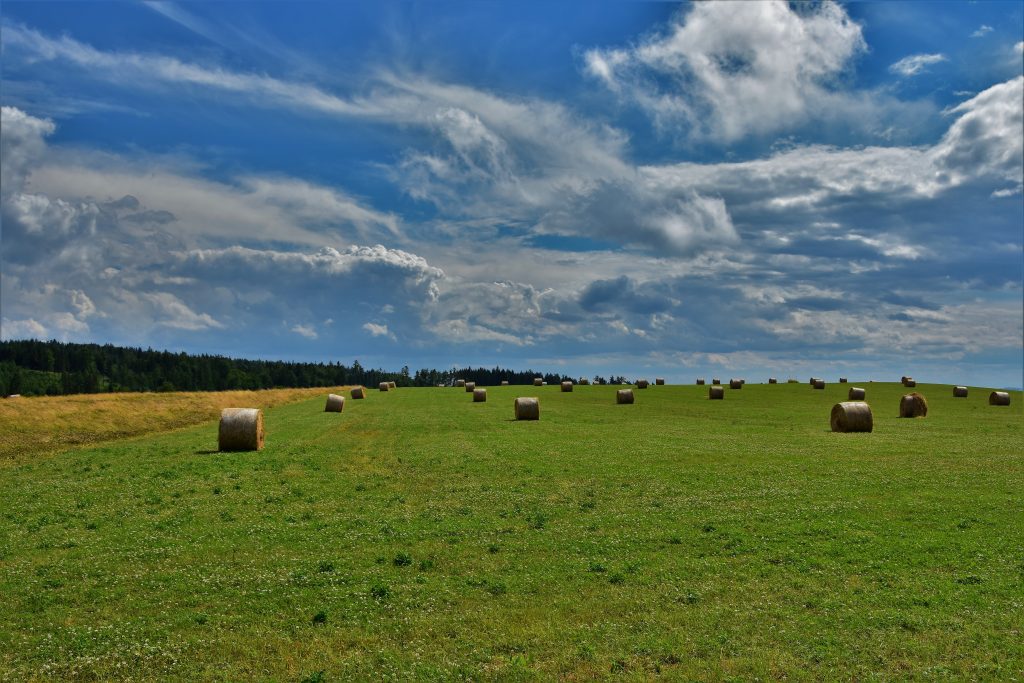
x=418, y=535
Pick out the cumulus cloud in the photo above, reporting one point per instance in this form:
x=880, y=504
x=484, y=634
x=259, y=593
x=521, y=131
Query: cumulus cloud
x=915, y=64
x=173, y=312
x=306, y=331
x=727, y=70
x=982, y=31
x=29, y=328
x=376, y=330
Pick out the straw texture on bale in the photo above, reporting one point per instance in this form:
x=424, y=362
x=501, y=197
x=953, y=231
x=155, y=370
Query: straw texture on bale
x=566, y=386
x=660, y=381
x=359, y=392
x=479, y=395
x=842, y=380
x=393, y=385
x=504, y=382
x=642, y=384
x=772, y=380
x=527, y=408
x=819, y=384
x=909, y=382
x=999, y=398
x=700, y=381
x=857, y=394
x=851, y=416
x=335, y=403
x=913, y=405
x=241, y=429
x=460, y=382
x=470, y=387
x=623, y=396
x=735, y=384
x=538, y=381
x=959, y=392
x=715, y=380
x=716, y=392
x=385, y=386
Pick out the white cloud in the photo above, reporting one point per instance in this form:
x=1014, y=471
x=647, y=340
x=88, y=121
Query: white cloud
x=376, y=330
x=29, y=328
x=306, y=331
x=982, y=31
x=1019, y=47
x=915, y=64
x=173, y=312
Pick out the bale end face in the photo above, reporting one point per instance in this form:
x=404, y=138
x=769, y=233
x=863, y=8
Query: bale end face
x=240, y=429
x=335, y=403
x=857, y=394
x=359, y=392
x=624, y=396
x=479, y=395
x=913, y=405
x=735, y=384
x=851, y=416
x=819, y=384
x=999, y=398
x=716, y=393
x=566, y=386
x=527, y=408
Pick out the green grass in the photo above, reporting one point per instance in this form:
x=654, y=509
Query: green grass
x=420, y=535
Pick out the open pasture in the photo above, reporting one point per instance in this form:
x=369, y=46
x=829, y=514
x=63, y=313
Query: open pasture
x=419, y=534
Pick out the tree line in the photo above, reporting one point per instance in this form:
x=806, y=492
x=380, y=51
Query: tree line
x=31, y=367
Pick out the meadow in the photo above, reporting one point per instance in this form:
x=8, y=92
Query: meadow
x=419, y=535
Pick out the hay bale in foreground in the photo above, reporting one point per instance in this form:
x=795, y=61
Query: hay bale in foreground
x=857, y=394
x=460, y=382
x=479, y=395
x=527, y=408
x=470, y=387
x=624, y=396
x=842, y=380
x=504, y=382
x=700, y=381
x=735, y=384
x=819, y=384
x=566, y=386
x=716, y=392
x=851, y=416
x=642, y=384
x=913, y=405
x=959, y=392
x=241, y=429
x=335, y=403
x=538, y=381
x=358, y=392
x=773, y=380
x=385, y=386
x=659, y=381
x=999, y=398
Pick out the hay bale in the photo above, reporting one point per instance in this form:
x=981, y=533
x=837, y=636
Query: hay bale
x=999, y=398
x=335, y=403
x=791, y=380
x=773, y=380
x=842, y=380
x=470, y=387
x=903, y=379
x=358, y=392
x=624, y=396
x=856, y=394
x=659, y=381
x=851, y=416
x=504, y=382
x=715, y=380
x=241, y=429
x=700, y=381
x=566, y=386
x=819, y=384
x=538, y=381
x=393, y=385
x=716, y=392
x=735, y=384
x=527, y=408
x=909, y=383
x=584, y=381
x=642, y=384
x=460, y=382
x=385, y=386
x=743, y=381
x=479, y=395
x=913, y=405
x=14, y=396
x=959, y=392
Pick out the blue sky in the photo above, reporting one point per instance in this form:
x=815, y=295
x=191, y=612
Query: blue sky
x=737, y=189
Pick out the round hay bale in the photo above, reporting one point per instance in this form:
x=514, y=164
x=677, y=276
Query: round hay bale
x=470, y=387
x=479, y=395
x=642, y=384
x=538, y=381
x=716, y=392
x=700, y=381
x=385, y=386
x=335, y=403
x=460, y=382
x=584, y=381
x=735, y=384
x=659, y=381
x=624, y=396
x=903, y=379
x=773, y=380
x=527, y=408
x=819, y=384
x=543, y=384
x=241, y=429
x=999, y=398
x=715, y=380
x=792, y=380
x=856, y=394
x=851, y=416
x=566, y=386
x=743, y=381
x=959, y=392
x=842, y=380
x=393, y=385
x=504, y=382
x=913, y=405
x=14, y=396
x=909, y=383
x=358, y=392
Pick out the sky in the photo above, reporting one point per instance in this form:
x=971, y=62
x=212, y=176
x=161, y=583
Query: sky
x=642, y=189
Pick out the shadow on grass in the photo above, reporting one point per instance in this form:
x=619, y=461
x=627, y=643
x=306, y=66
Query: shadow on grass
x=206, y=452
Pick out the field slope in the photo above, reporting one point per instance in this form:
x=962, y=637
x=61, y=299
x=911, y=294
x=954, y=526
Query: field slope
x=420, y=535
